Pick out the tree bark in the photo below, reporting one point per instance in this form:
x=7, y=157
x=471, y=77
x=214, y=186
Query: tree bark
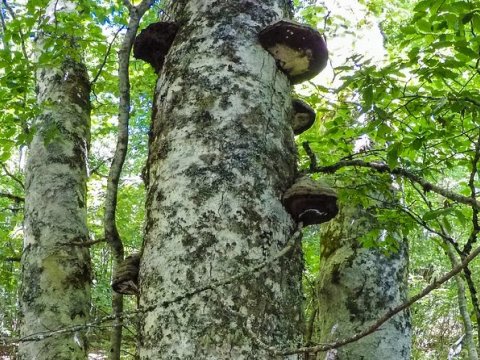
x=55, y=289
x=357, y=285
x=463, y=308
x=221, y=155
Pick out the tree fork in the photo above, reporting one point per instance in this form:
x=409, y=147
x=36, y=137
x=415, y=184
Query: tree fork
x=221, y=155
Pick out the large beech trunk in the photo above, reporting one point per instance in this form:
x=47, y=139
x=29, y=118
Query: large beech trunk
x=221, y=155
x=356, y=286
x=55, y=290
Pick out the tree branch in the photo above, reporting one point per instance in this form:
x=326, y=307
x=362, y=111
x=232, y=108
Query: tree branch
x=13, y=177
x=12, y=197
x=473, y=195
x=292, y=242
x=371, y=329
x=384, y=168
x=22, y=35
x=311, y=155
x=109, y=49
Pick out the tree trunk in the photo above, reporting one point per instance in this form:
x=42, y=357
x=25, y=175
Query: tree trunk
x=463, y=307
x=55, y=290
x=111, y=231
x=356, y=286
x=221, y=155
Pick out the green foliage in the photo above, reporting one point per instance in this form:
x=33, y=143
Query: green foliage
x=417, y=110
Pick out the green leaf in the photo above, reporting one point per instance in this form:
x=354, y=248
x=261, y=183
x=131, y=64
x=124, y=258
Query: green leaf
x=466, y=50
x=368, y=98
x=392, y=155
x=434, y=214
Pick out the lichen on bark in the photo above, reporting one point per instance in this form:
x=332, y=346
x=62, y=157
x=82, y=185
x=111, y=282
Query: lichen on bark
x=358, y=285
x=221, y=155
x=55, y=292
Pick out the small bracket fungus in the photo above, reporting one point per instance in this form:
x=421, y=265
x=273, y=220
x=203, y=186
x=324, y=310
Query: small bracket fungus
x=311, y=202
x=125, y=279
x=303, y=116
x=153, y=43
x=299, y=50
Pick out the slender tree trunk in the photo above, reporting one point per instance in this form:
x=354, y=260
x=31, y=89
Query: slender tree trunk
x=55, y=290
x=462, y=306
x=221, y=155
x=356, y=286
x=111, y=232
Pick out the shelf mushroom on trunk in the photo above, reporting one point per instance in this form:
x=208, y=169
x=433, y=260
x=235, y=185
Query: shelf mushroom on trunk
x=311, y=202
x=303, y=116
x=153, y=43
x=300, y=51
x=125, y=279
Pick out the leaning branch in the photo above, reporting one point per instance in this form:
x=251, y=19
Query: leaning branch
x=384, y=168
x=292, y=242
x=110, y=227
x=230, y=280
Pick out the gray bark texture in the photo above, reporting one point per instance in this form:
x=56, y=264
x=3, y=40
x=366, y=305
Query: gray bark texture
x=55, y=291
x=221, y=155
x=469, y=339
x=356, y=286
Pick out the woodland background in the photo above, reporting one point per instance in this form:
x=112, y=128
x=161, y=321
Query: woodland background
x=401, y=90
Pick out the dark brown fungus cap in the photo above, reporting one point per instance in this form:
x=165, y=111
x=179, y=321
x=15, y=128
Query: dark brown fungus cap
x=153, y=43
x=125, y=279
x=311, y=202
x=303, y=116
x=299, y=50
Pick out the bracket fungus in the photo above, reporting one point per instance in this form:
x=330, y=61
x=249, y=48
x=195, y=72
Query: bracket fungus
x=311, y=202
x=300, y=51
x=153, y=43
x=303, y=116
x=125, y=278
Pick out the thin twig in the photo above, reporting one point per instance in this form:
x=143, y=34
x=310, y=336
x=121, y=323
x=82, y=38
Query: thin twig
x=109, y=49
x=13, y=177
x=311, y=155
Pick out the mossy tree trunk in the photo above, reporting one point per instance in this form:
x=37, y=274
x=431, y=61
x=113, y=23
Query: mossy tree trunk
x=55, y=291
x=221, y=155
x=357, y=285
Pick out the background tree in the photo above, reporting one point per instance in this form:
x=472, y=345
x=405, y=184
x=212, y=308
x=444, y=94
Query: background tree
x=357, y=284
x=56, y=276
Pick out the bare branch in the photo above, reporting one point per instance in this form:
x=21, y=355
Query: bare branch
x=292, y=242
x=218, y=283
x=12, y=197
x=13, y=177
x=311, y=155
x=109, y=49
